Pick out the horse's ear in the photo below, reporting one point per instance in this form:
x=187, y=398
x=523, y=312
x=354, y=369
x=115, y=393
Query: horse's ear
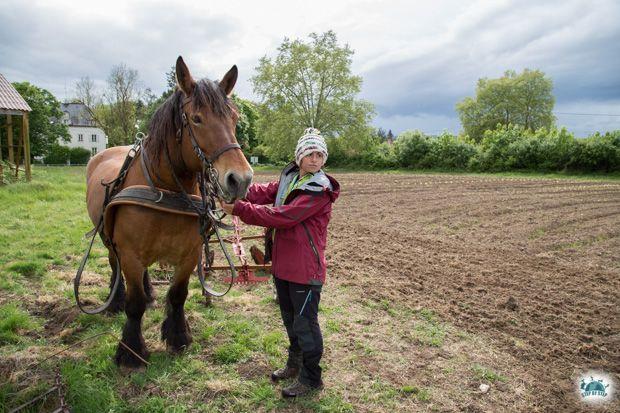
x=228, y=81
x=184, y=78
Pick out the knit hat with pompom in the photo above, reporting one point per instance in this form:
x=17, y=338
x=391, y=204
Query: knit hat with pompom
x=311, y=141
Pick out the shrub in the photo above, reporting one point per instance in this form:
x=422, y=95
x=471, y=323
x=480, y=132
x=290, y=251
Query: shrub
x=497, y=149
x=448, y=152
x=79, y=156
x=597, y=153
x=411, y=148
x=58, y=154
x=380, y=156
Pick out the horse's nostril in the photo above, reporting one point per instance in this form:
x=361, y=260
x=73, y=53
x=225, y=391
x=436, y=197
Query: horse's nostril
x=232, y=181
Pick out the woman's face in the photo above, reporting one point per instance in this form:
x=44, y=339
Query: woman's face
x=311, y=163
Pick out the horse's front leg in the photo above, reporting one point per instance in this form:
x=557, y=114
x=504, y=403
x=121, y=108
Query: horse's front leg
x=135, y=305
x=175, y=329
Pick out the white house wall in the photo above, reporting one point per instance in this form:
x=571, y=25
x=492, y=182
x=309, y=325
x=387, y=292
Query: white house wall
x=86, y=143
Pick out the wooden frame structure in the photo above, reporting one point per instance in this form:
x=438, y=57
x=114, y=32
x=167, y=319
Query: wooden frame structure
x=13, y=104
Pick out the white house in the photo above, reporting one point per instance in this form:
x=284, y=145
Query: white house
x=84, y=133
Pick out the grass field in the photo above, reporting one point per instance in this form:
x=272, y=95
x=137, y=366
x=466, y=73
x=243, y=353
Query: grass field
x=388, y=349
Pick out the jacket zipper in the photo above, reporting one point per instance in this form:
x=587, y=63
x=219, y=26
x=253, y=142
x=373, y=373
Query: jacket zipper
x=316, y=253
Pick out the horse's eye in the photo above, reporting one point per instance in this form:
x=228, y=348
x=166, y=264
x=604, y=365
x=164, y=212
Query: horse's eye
x=196, y=119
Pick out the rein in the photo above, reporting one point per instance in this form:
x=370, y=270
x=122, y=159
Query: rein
x=111, y=189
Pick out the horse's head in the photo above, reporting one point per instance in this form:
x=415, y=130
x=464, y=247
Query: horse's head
x=210, y=120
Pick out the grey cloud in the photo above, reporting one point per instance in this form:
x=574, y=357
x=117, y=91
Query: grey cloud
x=573, y=41
x=583, y=67
x=56, y=46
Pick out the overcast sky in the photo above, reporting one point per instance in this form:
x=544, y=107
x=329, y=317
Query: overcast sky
x=417, y=59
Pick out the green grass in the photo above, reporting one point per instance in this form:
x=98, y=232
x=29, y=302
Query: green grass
x=12, y=321
x=428, y=330
x=46, y=221
x=486, y=374
x=419, y=393
x=28, y=269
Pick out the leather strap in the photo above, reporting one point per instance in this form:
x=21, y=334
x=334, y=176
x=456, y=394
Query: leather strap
x=223, y=149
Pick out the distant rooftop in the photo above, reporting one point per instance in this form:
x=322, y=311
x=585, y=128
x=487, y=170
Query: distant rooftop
x=76, y=114
x=10, y=99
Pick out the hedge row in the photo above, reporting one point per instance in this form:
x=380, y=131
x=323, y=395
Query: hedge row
x=509, y=148
x=59, y=154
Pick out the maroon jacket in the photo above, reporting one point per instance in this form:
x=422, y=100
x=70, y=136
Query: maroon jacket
x=300, y=222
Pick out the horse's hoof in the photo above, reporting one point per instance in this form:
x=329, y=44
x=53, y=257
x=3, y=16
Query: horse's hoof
x=176, y=337
x=178, y=343
x=125, y=359
x=177, y=349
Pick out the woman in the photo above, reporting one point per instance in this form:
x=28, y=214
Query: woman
x=297, y=210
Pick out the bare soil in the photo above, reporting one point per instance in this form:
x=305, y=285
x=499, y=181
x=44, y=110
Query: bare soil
x=531, y=266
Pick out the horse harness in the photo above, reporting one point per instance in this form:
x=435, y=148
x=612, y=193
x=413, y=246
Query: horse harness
x=203, y=207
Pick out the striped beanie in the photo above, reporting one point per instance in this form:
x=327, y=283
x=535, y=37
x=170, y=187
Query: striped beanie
x=311, y=141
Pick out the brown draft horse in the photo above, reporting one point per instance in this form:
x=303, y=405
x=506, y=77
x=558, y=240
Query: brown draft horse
x=142, y=235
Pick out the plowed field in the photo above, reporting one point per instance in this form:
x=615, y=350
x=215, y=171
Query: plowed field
x=532, y=265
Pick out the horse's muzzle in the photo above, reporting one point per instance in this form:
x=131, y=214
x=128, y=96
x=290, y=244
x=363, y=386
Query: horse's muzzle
x=236, y=185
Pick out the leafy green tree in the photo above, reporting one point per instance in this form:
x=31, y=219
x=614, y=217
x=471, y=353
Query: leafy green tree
x=308, y=84
x=45, y=121
x=524, y=99
x=247, y=125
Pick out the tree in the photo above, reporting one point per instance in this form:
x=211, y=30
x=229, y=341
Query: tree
x=307, y=84
x=151, y=102
x=247, y=125
x=122, y=95
x=116, y=111
x=45, y=120
x=525, y=100
x=381, y=134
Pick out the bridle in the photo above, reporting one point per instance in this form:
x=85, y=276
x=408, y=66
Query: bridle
x=210, y=188
x=206, y=161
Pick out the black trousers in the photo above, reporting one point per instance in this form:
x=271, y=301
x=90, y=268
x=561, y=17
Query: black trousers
x=299, y=306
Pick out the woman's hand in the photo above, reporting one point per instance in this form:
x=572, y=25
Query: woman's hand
x=228, y=208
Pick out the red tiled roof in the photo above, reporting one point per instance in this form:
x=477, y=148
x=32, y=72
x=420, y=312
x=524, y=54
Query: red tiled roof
x=9, y=97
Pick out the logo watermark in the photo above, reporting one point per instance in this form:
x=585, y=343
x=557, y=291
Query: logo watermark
x=595, y=387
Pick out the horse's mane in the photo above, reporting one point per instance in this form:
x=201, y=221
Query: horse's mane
x=167, y=118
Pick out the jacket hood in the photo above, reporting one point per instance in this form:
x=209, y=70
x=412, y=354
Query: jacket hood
x=334, y=192
x=320, y=182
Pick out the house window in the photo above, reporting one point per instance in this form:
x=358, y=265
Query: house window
x=80, y=137
x=93, y=151
x=93, y=138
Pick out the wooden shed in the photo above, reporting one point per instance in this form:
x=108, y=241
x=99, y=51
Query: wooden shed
x=14, y=107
